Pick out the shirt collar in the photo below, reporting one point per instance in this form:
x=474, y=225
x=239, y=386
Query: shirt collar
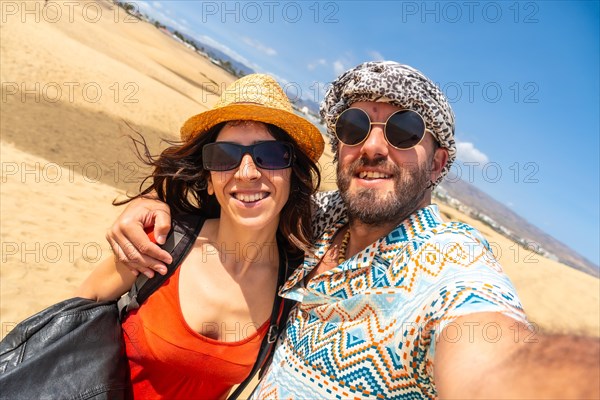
x=382, y=251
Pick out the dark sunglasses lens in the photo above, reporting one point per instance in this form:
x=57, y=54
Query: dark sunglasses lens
x=405, y=129
x=352, y=126
x=273, y=155
x=221, y=156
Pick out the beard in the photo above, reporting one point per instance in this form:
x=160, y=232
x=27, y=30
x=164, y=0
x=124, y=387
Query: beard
x=369, y=206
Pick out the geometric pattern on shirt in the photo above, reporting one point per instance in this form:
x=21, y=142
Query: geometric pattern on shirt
x=365, y=328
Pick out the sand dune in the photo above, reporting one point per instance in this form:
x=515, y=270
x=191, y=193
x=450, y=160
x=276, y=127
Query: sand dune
x=73, y=90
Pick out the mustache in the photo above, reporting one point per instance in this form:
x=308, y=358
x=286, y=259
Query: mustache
x=382, y=163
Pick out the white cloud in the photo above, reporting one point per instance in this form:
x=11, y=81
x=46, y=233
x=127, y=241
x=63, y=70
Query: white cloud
x=311, y=66
x=376, y=56
x=156, y=4
x=466, y=152
x=259, y=46
x=338, y=67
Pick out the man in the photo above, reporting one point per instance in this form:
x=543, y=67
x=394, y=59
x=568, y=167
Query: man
x=393, y=302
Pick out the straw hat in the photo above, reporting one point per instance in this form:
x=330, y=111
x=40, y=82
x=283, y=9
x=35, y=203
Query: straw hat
x=258, y=97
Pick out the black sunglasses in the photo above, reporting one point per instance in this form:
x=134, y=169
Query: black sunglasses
x=403, y=129
x=225, y=156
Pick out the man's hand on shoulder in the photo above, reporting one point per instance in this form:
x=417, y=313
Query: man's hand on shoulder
x=129, y=239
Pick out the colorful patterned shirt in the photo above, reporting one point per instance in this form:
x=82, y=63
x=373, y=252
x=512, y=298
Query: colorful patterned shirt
x=367, y=328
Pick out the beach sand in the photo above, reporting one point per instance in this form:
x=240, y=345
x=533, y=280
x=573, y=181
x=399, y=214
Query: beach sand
x=73, y=88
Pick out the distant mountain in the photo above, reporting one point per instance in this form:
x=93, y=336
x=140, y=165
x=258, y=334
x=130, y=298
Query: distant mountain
x=501, y=218
x=214, y=52
x=219, y=55
x=312, y=106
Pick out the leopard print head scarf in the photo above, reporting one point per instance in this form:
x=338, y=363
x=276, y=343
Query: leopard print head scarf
x=399, y=85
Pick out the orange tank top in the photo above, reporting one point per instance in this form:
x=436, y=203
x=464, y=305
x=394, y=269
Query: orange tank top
x=169, y=360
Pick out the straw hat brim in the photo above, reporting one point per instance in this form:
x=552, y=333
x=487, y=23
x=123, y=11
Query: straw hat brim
x=307, y=136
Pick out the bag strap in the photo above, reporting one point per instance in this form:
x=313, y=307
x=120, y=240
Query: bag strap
x=184, y=230
x=279, y=315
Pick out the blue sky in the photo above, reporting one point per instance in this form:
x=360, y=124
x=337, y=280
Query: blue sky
x=522, y=77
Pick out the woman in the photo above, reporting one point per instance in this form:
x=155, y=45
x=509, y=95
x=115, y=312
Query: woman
x=248, y=166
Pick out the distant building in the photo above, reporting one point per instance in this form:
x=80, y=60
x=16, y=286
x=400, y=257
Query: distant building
x=178, y=39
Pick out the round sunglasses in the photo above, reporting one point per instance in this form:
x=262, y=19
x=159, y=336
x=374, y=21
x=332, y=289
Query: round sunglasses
x=403, y=130
x=225, y=156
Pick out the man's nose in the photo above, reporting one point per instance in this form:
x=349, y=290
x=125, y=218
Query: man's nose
x=375, y=144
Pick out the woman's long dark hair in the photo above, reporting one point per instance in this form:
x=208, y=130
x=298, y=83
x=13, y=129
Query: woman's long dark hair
x=179, y=179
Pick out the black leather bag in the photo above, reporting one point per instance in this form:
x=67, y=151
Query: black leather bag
x=74, y=350
x=71, y=350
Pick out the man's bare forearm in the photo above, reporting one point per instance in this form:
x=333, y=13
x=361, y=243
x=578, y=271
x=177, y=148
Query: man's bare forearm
x=499, y=358
x=554, y=366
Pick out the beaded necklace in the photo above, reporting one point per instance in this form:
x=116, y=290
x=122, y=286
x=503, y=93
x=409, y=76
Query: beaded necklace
x=343, y=247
